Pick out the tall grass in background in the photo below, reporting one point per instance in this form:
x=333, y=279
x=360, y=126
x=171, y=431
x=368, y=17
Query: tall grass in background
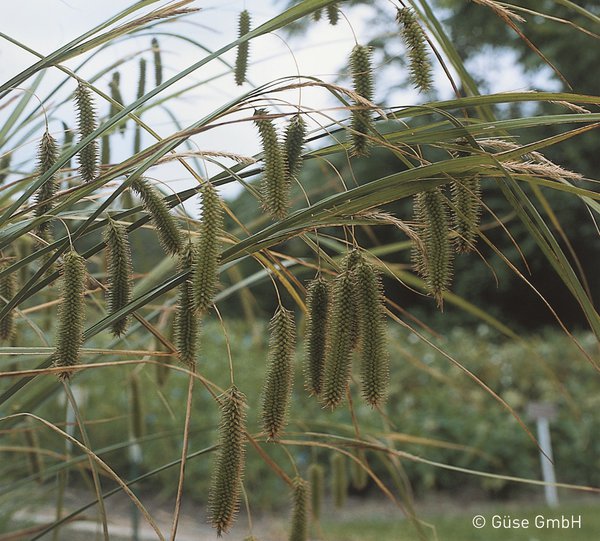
x=75, y=309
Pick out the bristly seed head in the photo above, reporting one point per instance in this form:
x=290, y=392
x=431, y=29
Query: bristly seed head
x=317, y=306
x=8, y=286
x=71, y=313
x=226, y=479
x=115, y=94
x=186, y=322
x=243, y=50
x=87, y=123
x=362, y=79
x=166, y=227
x=277, y=388
x=5, y=166
x=300, y=512
x=434, y=261
x=158, y=67
x=338, y=356
x=208, y=249
x=276, y=184
x=333, y=13
x=294, y=142
x=120, y=271
x=374, y=359
x=141, y=90
x=47, y=155
x=466, y=207
x=416, y=45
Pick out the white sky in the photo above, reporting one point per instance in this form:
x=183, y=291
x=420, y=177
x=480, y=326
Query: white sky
x=45, y=25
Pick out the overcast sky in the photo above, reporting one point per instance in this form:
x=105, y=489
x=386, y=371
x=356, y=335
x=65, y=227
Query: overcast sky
x=45, y=25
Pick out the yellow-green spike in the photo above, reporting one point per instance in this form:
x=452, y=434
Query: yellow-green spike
x=434, y=260
x=120, y=271
x=374, y=358
x=186, y=322
x=71, y=313
x=243, y=49
x=277, y=388
x=226, y=479
x=205, y=278
x=300, y=511
x=317, y=306
x=87, y=122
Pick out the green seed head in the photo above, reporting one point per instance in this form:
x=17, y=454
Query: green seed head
x=434, y=261
x=466, y=203
x=300, y=512
x=87, y=123
x=241, y=62
x=277, y=388
x=47, y=155
x=5, y=166
x=226, y=479
x=120, y=271
x=338, y=356
x=208, y=249
x=158, y=67
x=8, y=286
x=115, y=94
x=166, y=227
x=374, y=359
x=276, y=184
x=71, y=312
x=362, y=79
x=317, y=305
x=186, y=322
x=141, y=88
x=333, y=14
x=416, y=45
x=349, y=264
x=294, y=142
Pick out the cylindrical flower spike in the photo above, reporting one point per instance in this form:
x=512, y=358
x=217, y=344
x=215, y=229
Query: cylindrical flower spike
x=120, y=271
x=317, y=305
x=87, y=123
x=71, y=313
x=47, y=155
x=226, y=480
x=167, y=230
x=205, y=278
x=243, y=50
x=276, y=184
x=277, y=389
x=186, y=323
x=362, y=79
x=434, y=261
